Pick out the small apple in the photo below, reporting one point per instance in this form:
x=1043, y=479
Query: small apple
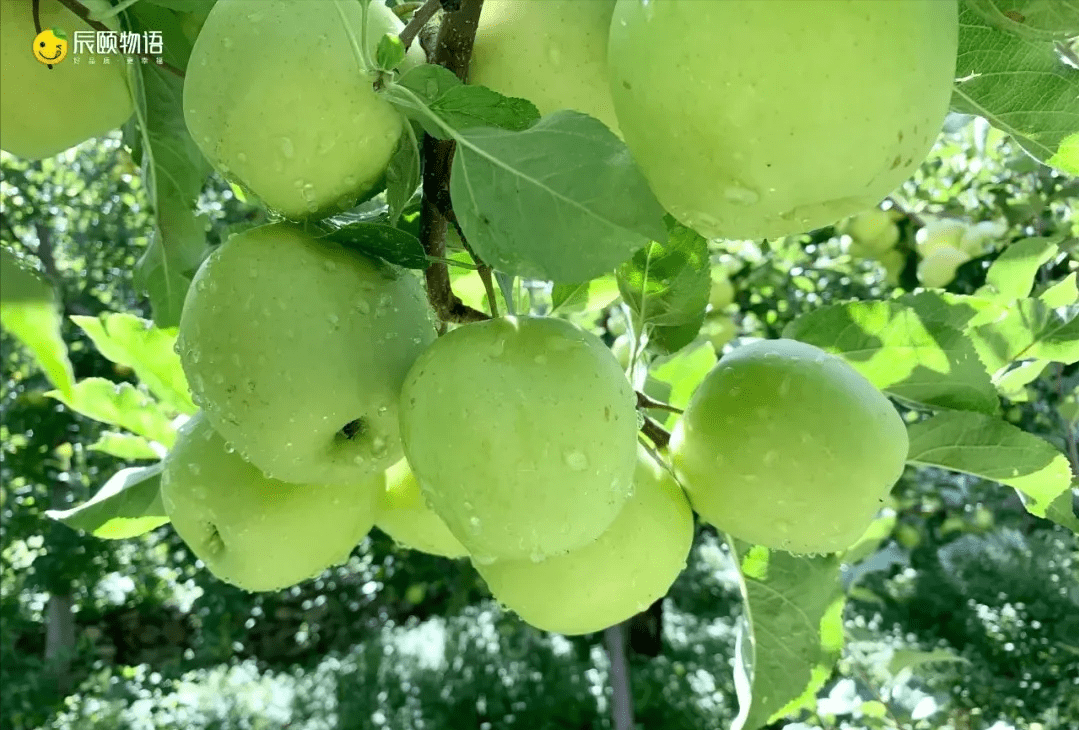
x=938, y=269
x=622, y=347
x=277, y=100
x=46, y=108
x=522, y=433
x=553, y=53
x=786, y=446
x=873, y=231
x=893, y=262
x=629, y=567
x=251, y=531
x=978, y=236
x=719, y=329
x=296, y=349
x=721, y=295
x=943, y=233
x=759, y=119
x=406, y=518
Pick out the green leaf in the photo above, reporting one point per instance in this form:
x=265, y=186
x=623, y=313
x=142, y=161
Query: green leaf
x=911, y=659
x=390, y=52
x=1019, y=85
x=125, y=446
x=1032, y=19
x=119, y=404
x=30, y=312
x=957, y=311
x=561, y=201
x=1064, y=293
x=669, y=340
x=588, y=296
x=1012, y=384
x=792, y=632
x=667, y=284
x=919, y=361
x=381, y=241
x=877, y=532
x=1062, y=511
x=683, y=371
x=1028, y=329
x=127, y=506
x=148, y=350
x=174, y=171
x=457, y=105
x=1012, y=275
x=989, y=448
x=403, y=173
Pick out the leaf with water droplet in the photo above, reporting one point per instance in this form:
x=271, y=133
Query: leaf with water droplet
x=381, y=241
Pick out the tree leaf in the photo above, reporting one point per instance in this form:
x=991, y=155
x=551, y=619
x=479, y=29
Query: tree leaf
x=382, y=241
x=1020, y=86
x=562, y=201
x=390, y=52
x=148, y=350
x=403, y=173
x=119, y=404
x=127, y=506
x=126, y=446
x=667, y=284
x=1032, y=19
x=914, y=359
x=976, y=444
x=668, y=340
x=588, y=296
x=1064, y=293
x=1012, y=275
x=790, y=635
x=1062, y=511
x=30, y=312
x=683, y=372
x=1028, y=329
x=1012, y=384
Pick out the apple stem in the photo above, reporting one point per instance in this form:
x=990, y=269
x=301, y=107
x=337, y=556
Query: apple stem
x=419, y=19
x=644, y=401
x=655, y=433
x=453, y=50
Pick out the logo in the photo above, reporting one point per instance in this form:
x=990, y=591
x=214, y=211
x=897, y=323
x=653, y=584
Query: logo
x=50, y=46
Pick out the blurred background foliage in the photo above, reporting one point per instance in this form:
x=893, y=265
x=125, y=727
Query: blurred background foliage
x=967, y=616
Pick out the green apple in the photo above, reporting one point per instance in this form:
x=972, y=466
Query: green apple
x=975, y=239
x=296, y=349
x=258, y=533
x=893, y=262
x=629, y=567
x=937, y=234
x=719, y=329
x=759, y=119
x=523, y=435
x=622, y=348
x=44, y=110
x=277, y=99
x=786, y=446
x=553, y=53
x=406, y=518
x=938, y=269
x=721, y=295
x=874, y=231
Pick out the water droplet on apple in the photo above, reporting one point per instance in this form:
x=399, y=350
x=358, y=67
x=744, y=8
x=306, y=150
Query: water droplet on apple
x=541, y=359
x=575, y=460
x=771, y=457
x=286, y=147
x=333, y=319
x=474, y=525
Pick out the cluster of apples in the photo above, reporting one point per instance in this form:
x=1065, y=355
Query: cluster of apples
x=874, y=235
x=948, y=243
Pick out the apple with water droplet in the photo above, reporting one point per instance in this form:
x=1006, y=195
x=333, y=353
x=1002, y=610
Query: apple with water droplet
x=759, y=119
x=786, y=446
x=522, y=433
x=297, y=348
x=257, y=533
x=630, y=566
x=278, y=100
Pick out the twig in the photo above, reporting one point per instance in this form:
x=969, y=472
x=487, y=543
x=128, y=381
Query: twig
x=621, y=688
x=644, y=401
x=655, y=433
x=83, y=12
x=420, y=18
x=453, y=51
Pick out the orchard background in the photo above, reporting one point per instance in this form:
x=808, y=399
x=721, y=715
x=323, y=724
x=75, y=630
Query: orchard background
x=958, y=609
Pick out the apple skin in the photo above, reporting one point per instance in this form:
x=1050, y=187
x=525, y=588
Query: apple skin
x=873, y=231
x=719, y=329
x=522, y=433
x=786, y=446
x=257, y=533
x=761, y=119
x=721, y=294
x=44, y=111
x=938, y=269
x=553, y=53
x=942, y=233
x=286, y=341
x=275, y=99
x=975, y=239
x=629, y=567
x=404, y=516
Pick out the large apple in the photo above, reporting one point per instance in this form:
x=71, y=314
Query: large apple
x=786, y=446
x=553, y=53
x=522, y=434
x=630, y=566
x=44, y=110
x=759, y=119
x=406, y=518
x=297, y=348
x=258, y=533
x=277, y=99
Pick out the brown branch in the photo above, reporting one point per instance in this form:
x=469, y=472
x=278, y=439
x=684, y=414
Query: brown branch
x=655, y=433
x=453, y=51
x=419, y=19
x=644, y=401
x=84, y=13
